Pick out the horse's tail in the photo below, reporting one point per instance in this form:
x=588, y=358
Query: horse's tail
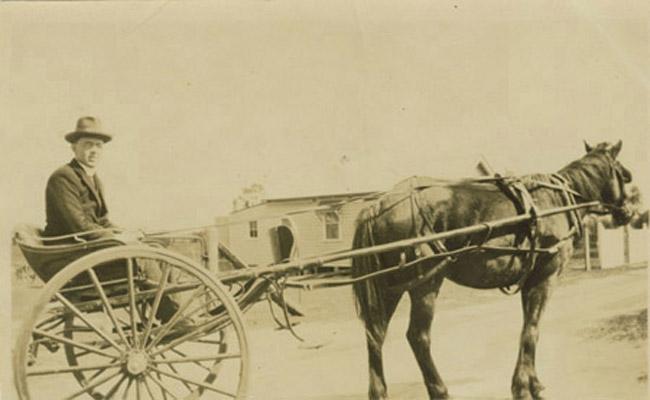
x=368, y=293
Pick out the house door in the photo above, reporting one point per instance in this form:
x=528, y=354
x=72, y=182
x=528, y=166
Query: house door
x=282, y=243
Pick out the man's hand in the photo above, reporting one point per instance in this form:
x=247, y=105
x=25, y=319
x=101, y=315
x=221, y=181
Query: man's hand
x=129, y=237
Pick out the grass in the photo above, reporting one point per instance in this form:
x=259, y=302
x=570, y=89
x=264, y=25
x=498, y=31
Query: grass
x=630, y=327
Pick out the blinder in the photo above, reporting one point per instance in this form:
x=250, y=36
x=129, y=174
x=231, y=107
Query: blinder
x=618, y=208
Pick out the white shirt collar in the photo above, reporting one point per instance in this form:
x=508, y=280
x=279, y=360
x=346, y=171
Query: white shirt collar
x=89, y=171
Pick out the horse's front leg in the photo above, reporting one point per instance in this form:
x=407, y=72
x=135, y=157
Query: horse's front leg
x=423, y=299
x=525, y=384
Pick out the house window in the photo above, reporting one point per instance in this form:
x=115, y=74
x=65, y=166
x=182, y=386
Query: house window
x=332, y=226
x=252, y=229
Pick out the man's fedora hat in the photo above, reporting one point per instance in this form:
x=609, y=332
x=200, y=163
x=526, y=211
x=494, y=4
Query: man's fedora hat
x=88, y=127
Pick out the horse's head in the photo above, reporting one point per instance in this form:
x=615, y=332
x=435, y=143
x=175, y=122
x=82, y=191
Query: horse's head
x=612, y=192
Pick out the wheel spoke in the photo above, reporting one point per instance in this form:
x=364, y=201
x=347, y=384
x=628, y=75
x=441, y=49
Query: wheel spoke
x=92, y=385
x=125, y=395
x=96, y=374
x=177, y=317
x=200, y=307
x=162, y=387
x=164, y=390
x=115, y=388
x=171, y=366
x=54, y=325
x=210, y=341
x=138, y=387
x=180, y=353
x=156, y=303
x=82, y=317
x=80, y=288
x=200, y=329
x=77, y=328
x=134, y=326
x=141, y=312
x=146, y=385
x=47, y=321
x=107, y=306
x=73, y=343
x=82, y=353
x=194, y=382
x=217, y=357
x=51, y=371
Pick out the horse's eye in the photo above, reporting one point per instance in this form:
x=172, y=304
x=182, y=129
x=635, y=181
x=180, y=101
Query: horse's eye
x=627, y=175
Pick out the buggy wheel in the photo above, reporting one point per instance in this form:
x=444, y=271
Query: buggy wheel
x=146, y=330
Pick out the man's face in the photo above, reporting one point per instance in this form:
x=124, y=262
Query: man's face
x=88, y=151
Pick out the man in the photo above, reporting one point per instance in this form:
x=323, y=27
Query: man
x=74, y=198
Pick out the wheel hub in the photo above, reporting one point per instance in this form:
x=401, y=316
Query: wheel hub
x=137, y=362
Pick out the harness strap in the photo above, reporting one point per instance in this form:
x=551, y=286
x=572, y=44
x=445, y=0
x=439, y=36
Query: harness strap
x=424, y=251
x=570, y=199
x=428, y=226
x=524, y=203
x=373, y=215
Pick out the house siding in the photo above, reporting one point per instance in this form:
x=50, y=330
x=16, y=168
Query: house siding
x=308, y=228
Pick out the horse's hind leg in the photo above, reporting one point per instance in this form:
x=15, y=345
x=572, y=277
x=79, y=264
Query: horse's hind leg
x=525, y=384
x=375, y=335
x=423, y=299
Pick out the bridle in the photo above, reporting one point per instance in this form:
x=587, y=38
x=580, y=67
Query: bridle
x=618, y=171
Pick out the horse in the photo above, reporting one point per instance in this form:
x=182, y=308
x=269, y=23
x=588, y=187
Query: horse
x=597, y=176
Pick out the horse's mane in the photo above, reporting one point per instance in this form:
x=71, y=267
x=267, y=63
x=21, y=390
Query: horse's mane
x=587, y=174
x=375, y=207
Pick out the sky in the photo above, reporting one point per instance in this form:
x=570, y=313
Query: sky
x=205, y=98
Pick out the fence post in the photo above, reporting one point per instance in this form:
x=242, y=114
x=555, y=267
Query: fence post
x=626, y=244
x=587, y=243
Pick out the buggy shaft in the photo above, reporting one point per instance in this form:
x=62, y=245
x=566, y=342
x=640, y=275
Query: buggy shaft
x=300, y=264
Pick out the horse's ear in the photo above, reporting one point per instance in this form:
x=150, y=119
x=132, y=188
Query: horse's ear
x=587, y=147
x=616, y=148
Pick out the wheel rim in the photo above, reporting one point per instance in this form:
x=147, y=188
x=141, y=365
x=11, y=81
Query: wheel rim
x=150, y=336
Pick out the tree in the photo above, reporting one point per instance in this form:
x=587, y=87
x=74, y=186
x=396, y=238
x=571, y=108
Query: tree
x=639, y=211
x=250, y=196
x=634, y=198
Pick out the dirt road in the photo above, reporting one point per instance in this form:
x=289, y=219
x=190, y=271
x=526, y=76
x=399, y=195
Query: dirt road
x=591, y=345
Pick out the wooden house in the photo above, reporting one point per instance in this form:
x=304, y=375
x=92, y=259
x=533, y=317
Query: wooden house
x=303, y=226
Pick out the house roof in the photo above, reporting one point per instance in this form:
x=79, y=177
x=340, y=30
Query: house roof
x=336, y=196
x=322, y=198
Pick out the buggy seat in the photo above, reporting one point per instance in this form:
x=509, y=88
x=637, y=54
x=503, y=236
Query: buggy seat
x=48, y=259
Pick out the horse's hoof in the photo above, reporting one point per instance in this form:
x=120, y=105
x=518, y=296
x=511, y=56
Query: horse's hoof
x=536, y=390
x=377, y=396
x=522, y=395
x=438, y=393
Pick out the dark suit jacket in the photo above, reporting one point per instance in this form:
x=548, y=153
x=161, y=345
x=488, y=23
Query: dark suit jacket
x=73, y=204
